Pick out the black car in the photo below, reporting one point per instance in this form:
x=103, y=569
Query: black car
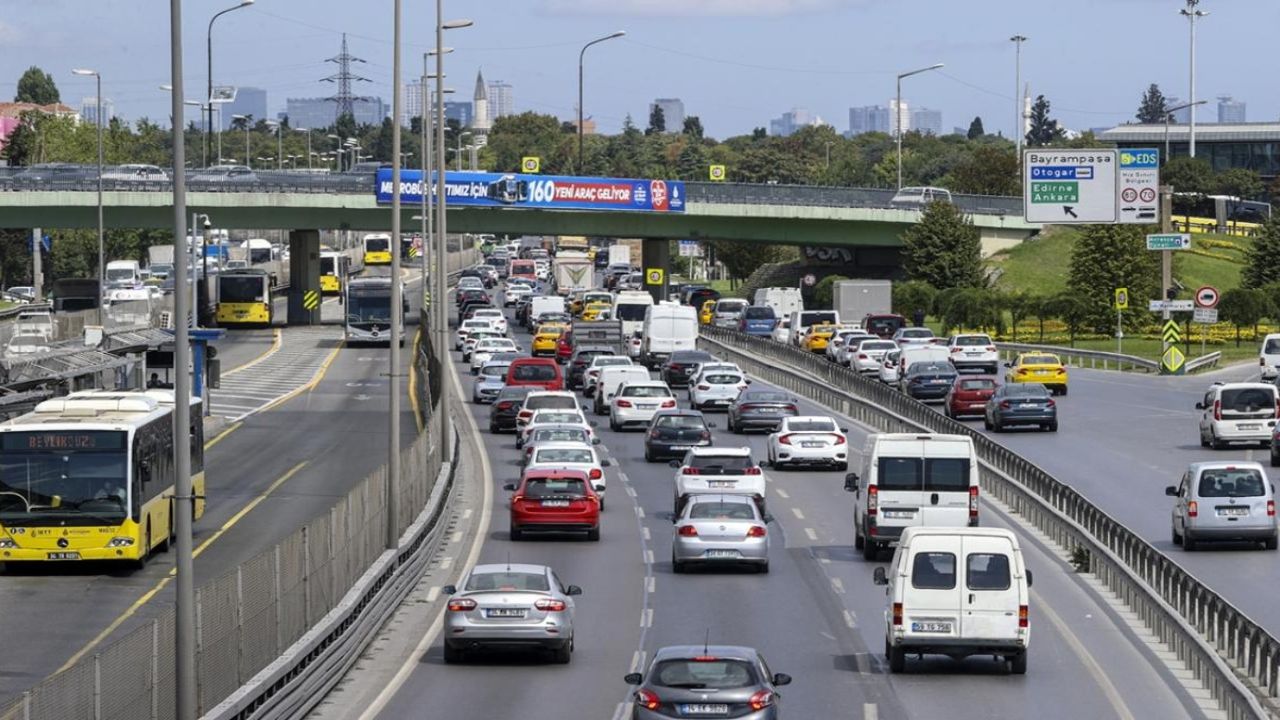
x=673, y=432
x=1021, y=404
x=929, y=380
x=678, y=368
x=505, y=407
x=761, y=410
x=467, y=295
x=582, y=357
x=468, y=311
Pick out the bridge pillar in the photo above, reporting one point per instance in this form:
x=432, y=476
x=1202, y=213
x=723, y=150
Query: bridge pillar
x=304, y=277
x=656, y=265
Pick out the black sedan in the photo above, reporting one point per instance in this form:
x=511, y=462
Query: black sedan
x=582, y=357
x=677, y=369
x=505, y=407
x=761, y=410
x=467, y=295
x=1021, y=404
x=673, y=432
x=929, y=380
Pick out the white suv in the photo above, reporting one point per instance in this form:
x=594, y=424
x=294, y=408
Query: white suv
x=974, y=350
x=718, y=471
x=1238, y=412
x=716, y=386
x=636, y=403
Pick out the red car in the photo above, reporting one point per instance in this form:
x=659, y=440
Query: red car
x=969, y=395
x=564, y=346
x=561, y=501
x=542, y=373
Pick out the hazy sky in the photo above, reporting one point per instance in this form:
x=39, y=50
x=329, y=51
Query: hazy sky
x=735, y=63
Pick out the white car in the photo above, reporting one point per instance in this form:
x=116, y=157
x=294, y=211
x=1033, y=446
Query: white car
x=974, y=350
x=469, y=282
x=544, y=434
x=485, y=349
x=1238, y=412
x=571, y=456
x=838, y=348
x=544, y=400
x=635, y=403
x=543, y=418
x=782, y=331
x=513, y=292
x=888, y=370
x=592, y=374
x=716, y=386
x=914, y=336
x=809, y=440
x=635, y=346
x=869, y=354
x=467, y=326
x=719, y=471
x=495, y=315
x=474, y=337
x=1269, y=357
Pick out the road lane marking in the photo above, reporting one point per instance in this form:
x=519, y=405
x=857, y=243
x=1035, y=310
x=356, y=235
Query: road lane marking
x=433, y=593
x=645, y=533
x=1091, y=665
x=811, y=533
x=413, y=380
x=646, y=618
x=796, y=511
x=850, y=620
x=230, y=523
x=221, y=435
x=782, y=493
x=275, y=347
x=649, y=584
x=648, y=557
x=838, y=585
x=637, y=661
x=870, y=711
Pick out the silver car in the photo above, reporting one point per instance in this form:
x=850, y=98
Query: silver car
x=544, y=434
x=707, y=681
x=510, y=606
x=720, y=530
x=1224, y=500
x=489, y=381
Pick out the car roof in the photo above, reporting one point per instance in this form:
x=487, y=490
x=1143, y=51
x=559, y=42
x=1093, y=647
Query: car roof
x=677, y=652
x=509, y=567
x=711, y=497
x=679, y=413
x=646, y=383
x=557, y=393
x=564, y=445
x=807, y=418
x=1198, y=467
x=714, y=451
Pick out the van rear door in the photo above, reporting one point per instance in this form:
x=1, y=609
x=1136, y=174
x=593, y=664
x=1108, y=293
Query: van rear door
x=948, y=476
x=899, y=483
x=991, y=593
x=931, y=598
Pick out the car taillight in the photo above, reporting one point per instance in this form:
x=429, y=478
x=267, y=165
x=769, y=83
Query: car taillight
x=1217, y=409
x=1193, y=508
x=839, y=439
x=704, y=387
x=973, y=502
x=550, y=605
x=1271, y=508
x=897, y=613
x=1278, y=406
x=1022, y=371
x=873, y=499
x=752, y=471
x=785, y=439
x=756, y=531
x=792, y=408
x=1049, y=403
x=956, y=350
x=596, y=474
x=1023, y=616
x=690, y=471
x=1004, y=405
x=647, y=700
x=705, y=435
x=504, y=405
x=654, y=435
x=862, y=356
x=991, y=348
x=669, y=403
x=761, y=699
x=687, y=531
x=462, y=605
x=624, y=403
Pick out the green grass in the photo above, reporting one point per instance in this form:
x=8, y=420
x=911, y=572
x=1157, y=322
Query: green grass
x=1151, y=348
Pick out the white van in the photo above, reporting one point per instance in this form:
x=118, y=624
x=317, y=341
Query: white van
x=1269, y=357
x=130, y=307
x=668, y=327
x=783, y=300
x=612, y=378
x=801, y=320
x=124, y=275
x=631, y=307
x=957, y=592
x=918, y=197
x=921, y=353
x=910, y=480
x=545, y=304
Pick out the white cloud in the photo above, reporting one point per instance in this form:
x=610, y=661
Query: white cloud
x=688, y=8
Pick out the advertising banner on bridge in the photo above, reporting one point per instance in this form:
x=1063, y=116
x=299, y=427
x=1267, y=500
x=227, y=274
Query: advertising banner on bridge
x=547, y=192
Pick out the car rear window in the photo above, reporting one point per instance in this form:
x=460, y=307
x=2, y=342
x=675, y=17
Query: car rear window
x=987, y=571
x=924, y=474
x=560, y=435
x=564, y=455
x=1026, y=390
x=704, y=674
x=494, y=370
x=721, y=462
x=1248, y=399
x=535, y=372
x=724, y=379
x=917, y=333
x=811, y=426
x=721, y=511
x=816, y=317
x=763, y=397
x=967, y=340
x=1040, y=360
x=551, y=402
x=1232, y=483
x=876, y=345
x=680, y=422
x=607, y=360
x=508, y=581
x=977, y=384
x=933, y=571
x=545, y=417
x=1272, y=347
x=758, y=313
x=646, y=391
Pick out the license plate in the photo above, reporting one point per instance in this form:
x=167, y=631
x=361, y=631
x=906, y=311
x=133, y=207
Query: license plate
x=1249, y=426
x=1233, y=512
x=1026, y=406
x=680, y=447
x=64, y=556
x=704, y=709
x=723, y=554
x=504, y=613
x=931, y=627
x=646, y=406
x=813, y=444
x=768, y=411
x=555, y=503
x=898, y=514
x=720, y=483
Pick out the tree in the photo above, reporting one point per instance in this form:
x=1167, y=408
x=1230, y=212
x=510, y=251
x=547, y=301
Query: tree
x=1262, y=259
x=1239, y=182
x=970, y=308
x=692, y=127
x=1107, y=257
x=743, y=257
x=1044, y=129
x=37, y=86
x=943, y=249
x=1188, y=175
x=245, y=121
x=1154, y=106
x=657, y=120
x=1244, y=306
x=975, y=129
x=913, y=295
x=1020, y=306
x=1070, y=309
x=824, y=291
x=988, y=170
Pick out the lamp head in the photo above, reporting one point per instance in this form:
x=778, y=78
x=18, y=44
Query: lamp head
x=617, y=34
x=83, y=71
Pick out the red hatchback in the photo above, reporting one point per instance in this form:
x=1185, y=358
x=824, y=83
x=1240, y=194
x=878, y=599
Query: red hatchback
x=969, y=395
x=560, y=501
x=543, y=373
x=564, y=346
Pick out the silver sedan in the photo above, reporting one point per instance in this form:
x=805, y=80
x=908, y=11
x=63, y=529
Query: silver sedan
x=721, y=530
x=510, y=606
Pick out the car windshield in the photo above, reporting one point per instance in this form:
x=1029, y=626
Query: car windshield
x=494, y=371
x=917, y=333
x=721, y=511
x=508, y=581
x=977, y=384
x=1248, y=399
x=646, y=391
x=538, y=372
x=680, y=422
x=723, y=462
x=795, y=425
x=564, y=455
x=61, y=473
x=711, y=673
x=931, y=368
x=1040, y=360
x=924, y=474
x=551, y=402
x=1232, y=483
x=544, y=418
x=967, y=340
x=560, y=435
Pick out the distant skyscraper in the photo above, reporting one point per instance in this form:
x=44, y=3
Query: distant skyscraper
x=870, y=118
x=411, y=102
x=249, y=101
x=924, y=120
x=793, y=121
x=89, y=110
x=1230, y=110
x=318, y=113
x=501, y=101
x=899, y=121
x=672, y=112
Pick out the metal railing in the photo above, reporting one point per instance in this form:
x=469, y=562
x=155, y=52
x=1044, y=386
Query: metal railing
x=1234, y=658
x=1074, y=357
x=1204, y=361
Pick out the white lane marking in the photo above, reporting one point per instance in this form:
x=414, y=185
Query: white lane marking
x=649, y=584
x=623, y=477
x=646, y=618
x=455, y=537
x=838, y=585
x=446, y=563
x=811, y=533
x=637, y=661
x=645, y=532
x=850, y=620
x=648, y=557
x=870, y=711
x=782, y=493
x=631, y=491
x=433, y=593
x=796, y=511
x=639, y=512
x=1090, y=664
x=466, y=514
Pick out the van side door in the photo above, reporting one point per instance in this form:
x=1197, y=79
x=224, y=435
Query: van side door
x=991, y=593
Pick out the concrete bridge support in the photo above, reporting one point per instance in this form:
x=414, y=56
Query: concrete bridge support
x=304, y=277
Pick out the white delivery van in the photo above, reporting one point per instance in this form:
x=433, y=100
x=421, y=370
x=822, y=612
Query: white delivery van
x=124, y=275
x=912, y=480
x=668, y=327
x=612, y=378
x=957, y=592
x=783, y=300
x=801, y=320
x=130, y=307
x=921, y=353
x=545, y=304
x=34, y=323
x=1269, y=357
x=631, y=307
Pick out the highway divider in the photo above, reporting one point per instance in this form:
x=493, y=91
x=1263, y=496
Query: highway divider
x=1233, y=657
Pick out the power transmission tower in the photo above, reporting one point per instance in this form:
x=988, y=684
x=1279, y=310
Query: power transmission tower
x=345, y=101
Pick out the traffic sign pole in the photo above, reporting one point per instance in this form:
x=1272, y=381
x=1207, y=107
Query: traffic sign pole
x=1166, y=281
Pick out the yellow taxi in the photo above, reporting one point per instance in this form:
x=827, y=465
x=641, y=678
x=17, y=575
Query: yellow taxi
x=818, y=336
x=1038, y=367
x=707, y=312
x=592, y=310
x=576, y=302
x=544, y=339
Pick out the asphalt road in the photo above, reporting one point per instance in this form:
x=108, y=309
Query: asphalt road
x=816, y=616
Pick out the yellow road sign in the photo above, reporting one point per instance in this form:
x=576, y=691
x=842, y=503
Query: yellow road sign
x=1171, y=333
x=1122, y=298
x=311, y=299
x=654, y=276
x=716, y=173
x=531, y=164
x=1172, y=359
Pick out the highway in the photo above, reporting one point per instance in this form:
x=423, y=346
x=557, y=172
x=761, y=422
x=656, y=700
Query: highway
x=816, y=616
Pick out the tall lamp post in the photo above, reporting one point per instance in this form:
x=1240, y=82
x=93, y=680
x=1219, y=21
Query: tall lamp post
x=1168, y=115
x=1017, y=92
x=897, y=111
x=245, y=119
x=279, y=130
x=308, y=132
x=1191, y=13
x=102, y=286
x=209, y=47
x=581, y=55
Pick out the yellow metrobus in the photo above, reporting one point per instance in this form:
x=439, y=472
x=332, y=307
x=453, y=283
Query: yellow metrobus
x=334, y=267
x=244, y=298
x=90, y=476
x=377, y=249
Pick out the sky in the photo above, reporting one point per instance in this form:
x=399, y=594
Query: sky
x=735, y=63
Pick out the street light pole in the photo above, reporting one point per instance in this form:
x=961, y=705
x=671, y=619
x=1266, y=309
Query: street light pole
x=897, y=111
x=1017, y=93
x=208, y=98
x=581, y=55
x=1168, y=115
x=1191, y=13
x=102, y=280
x=245, y=119
x=397, y=318
x=442, y=254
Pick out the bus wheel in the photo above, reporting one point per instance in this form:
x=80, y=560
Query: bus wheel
x=145, y=551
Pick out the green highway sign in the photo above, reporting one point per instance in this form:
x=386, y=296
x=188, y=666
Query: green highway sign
x=1169, y=241
x=1055, y=192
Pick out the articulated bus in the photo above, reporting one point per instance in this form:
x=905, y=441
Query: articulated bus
x=334, y=269
x=90, y=476
x=244, y=298
x=377, y=249
x=1193, y=212
x=368, y=310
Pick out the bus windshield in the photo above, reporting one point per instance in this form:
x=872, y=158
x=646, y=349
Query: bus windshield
x=241, y=289
x=369, y=308
x=630, y=311
x=377, y=244
x=62, y=476
x=326, y=265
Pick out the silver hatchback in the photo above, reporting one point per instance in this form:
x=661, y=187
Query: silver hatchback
x=707, y=681
x=510, y=606
x=1227, y=500
x=720, y=530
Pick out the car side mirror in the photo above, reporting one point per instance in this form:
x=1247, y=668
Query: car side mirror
x=449, y=589
x=1008, y=365
x=606, y=462
x=509, y=487
x=878, y=576
x=598, y=487
x=1171, y=491
x=1030, y=578
x=595, y=441
x=1199, y=406
x=711, y=426
x=633, y=678
x=593, y=423
x=767, y=518
x=764, y=464
x=781, y=679
x=844, y=430
x=851, y=482
x=573, y=590
x=674, y=463
x=748, y=381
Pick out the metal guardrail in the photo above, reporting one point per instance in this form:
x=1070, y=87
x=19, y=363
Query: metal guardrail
x=1236, y=660
x=1210, y=360
x=830, y=196
x=1074, y=357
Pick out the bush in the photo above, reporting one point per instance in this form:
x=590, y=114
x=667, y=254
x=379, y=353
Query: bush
x=824, y=291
